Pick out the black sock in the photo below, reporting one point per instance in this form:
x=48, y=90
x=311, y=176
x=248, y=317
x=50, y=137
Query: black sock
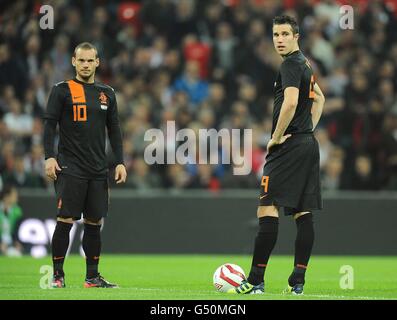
x=303, y=248
x=92, y=248
x=264, y=244
x=60, y=244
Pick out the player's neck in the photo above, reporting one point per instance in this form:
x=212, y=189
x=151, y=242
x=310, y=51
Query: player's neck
x=294, y=50
x=90, y=80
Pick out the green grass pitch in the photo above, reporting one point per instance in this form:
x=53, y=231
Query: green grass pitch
x=189, y=277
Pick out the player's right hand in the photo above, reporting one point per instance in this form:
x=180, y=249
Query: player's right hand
x=272, y=142
x=51, y=167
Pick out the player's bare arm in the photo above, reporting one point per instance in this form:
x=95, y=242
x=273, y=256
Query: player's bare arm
x=291, y=95
x=318, y=105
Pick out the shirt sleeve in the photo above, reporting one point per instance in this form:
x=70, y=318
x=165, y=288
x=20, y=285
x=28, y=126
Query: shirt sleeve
x=51, y=117
x=114, y=130
x=291, y=74
x=50, y=127
x=54, y=104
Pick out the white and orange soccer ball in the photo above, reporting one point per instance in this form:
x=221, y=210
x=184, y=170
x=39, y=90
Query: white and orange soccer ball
x=228, y=276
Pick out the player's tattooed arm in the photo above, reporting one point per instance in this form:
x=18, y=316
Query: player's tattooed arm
x=318, y=105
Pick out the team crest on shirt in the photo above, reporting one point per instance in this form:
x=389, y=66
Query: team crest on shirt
x=103, y=100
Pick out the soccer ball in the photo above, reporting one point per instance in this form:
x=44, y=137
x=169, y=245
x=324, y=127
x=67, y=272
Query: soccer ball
x=228, y=276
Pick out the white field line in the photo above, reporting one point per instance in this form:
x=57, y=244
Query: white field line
x=203, y=292
x=206, y=293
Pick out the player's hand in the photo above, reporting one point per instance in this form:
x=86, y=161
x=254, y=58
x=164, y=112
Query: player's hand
x=273, y=142
x=51, y=167
x=120, y=174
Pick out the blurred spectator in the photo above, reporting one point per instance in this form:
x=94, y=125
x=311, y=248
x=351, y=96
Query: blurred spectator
x=363, y=176
x=61, y=58
x=172, y=62
x=337, y=81
x=176, y=177
x=332, y=177
x=31, y=106
x=213, y=13
x=10, y=217
x=239, y=118
x=248, y=94
x=160, y=14
x=7, y=156
x=225, y=46
x=142, y=178
x=73, y=25
x=7, y=96
x=128, y=149
x=12, y=71
x=34, y=161
x=184, y=21
x=388, y=153
x=21, y=178
x=195, y=50
x=41, y=83
x=217, y=101
x=33, y=55
x=204, y=179
x=191, y=83
x=244, y=181
x=206, y=64
x=321, y=49
x=157, y=54
x=183, y=118
x=325, y=145
x=161, y=89
x=18, y=123
x=127, y=38
x=328, y=12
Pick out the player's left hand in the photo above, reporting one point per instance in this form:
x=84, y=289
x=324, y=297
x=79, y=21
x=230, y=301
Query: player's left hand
x=272, y=142
x=120, y=174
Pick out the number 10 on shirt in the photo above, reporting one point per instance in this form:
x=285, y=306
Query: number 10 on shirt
x=79, y=113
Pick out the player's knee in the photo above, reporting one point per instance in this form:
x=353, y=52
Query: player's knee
x=267, y=211
x=95, y=222
x=65, y=220
x=300, y=214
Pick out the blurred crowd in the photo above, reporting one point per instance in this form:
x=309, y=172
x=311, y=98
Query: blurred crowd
x=204, y=64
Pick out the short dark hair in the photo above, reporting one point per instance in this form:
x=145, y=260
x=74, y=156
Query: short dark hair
x=85, y=46
x=284, y=19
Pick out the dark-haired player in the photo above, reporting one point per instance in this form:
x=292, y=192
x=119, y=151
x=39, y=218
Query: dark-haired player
x=291, y=173
x=84, y=109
